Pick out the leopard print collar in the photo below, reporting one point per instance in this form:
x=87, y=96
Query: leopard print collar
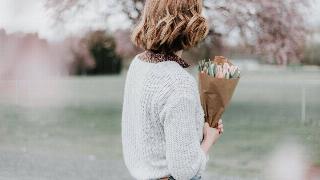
x=150, y=56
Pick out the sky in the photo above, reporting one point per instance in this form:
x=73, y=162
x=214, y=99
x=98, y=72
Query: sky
x=31, y=16
x=26, y=16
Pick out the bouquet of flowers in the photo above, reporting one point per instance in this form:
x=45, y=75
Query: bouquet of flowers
x=217, y=82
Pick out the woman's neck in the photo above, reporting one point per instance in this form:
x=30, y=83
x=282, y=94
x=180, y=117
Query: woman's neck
x=179, y=53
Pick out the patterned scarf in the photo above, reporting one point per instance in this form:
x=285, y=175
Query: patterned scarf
x=153, y=57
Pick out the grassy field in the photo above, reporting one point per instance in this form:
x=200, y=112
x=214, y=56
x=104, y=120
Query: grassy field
x=78, y=136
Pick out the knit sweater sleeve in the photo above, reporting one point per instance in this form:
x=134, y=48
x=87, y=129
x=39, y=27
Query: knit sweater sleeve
x=184, y=155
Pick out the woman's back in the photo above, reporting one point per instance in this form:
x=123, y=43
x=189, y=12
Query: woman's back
x=154, y=92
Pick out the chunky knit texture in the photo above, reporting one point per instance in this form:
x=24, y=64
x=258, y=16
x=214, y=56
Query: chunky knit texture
x=162, y=122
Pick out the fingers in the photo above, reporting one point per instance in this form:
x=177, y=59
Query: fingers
x=205, y=127
x=206, y=124
x=220, y=129
x=220, y=126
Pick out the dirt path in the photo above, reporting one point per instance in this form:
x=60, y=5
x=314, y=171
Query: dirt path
x=42, y=166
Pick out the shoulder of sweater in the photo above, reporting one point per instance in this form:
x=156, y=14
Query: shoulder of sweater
x=175, y=81
x=170, y=75
x=172, y=72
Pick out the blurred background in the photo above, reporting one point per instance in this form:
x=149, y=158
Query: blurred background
x=62, y=72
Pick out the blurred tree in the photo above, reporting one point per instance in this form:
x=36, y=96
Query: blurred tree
x=103, y=50
x=124, y=49
x=82, y=60
x=132, y=8
x=275, y=29
x=67, y=13
x=312, y=51
x=70, y=56
x=312, y=55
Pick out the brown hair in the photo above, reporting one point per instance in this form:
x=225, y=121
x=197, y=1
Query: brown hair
x=167, y=26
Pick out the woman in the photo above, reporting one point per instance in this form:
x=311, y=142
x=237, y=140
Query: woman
x=163, y=130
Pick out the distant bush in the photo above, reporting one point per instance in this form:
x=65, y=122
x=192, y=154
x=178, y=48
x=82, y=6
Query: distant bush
x=312, y=55
x=103, y=49
x=125, y=48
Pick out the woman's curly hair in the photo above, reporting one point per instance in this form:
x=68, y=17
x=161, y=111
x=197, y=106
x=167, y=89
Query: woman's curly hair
x=168, y=26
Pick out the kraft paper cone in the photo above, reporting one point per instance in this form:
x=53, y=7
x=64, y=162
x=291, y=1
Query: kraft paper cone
x=215, y=95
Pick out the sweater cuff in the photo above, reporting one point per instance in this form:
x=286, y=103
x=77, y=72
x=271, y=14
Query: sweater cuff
x=204, y=160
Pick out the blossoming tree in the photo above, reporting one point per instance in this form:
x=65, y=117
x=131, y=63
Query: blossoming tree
x=274, y=29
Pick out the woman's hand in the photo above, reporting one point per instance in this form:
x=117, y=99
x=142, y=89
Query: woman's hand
x=211, y=135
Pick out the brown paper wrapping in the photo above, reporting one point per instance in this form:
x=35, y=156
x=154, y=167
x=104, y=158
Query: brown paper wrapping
x=215, y=95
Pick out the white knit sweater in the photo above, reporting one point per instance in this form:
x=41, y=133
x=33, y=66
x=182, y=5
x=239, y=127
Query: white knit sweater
x=162, y=122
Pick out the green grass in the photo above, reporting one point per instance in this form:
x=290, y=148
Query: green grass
x=265, y=112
